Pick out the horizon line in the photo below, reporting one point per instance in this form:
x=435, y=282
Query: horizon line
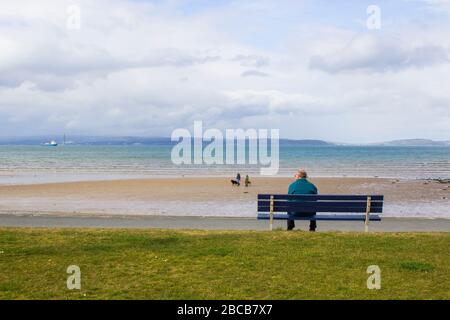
x=67, y=137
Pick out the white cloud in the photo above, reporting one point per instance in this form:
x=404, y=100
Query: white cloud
x=381, y=53
x=254, y=73
x=144, y=68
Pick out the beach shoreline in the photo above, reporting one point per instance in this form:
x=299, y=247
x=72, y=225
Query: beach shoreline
x=209, y=196
x=39, y=178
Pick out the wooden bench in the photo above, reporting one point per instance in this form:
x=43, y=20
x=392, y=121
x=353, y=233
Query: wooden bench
x=269, y=204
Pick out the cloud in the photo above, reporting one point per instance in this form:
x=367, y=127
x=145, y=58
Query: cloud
x=39, y=47
x=145, y=68
x=380, y=54
x=252, y=60
x=438, y=5
x=254, y=73
x=276, y=102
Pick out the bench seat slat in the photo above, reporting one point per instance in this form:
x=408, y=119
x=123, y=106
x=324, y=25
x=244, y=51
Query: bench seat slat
x=319, y=208
x=320, y=204
x=321, y=217
x=284, y=202
x=320, y=197
x=337, y=210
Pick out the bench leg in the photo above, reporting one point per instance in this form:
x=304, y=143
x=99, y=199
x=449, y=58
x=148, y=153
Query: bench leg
x=271, y=214
x=368, y=208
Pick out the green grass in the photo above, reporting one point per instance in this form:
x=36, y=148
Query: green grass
x=168, y=264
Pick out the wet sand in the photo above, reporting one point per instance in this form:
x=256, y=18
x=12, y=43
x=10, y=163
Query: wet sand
x=208, y=196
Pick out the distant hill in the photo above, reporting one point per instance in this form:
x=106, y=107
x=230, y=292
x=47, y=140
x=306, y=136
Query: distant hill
x=415, y=143
x=94, y=140
x=85, y=140
x=289, y=142
x=128, y=140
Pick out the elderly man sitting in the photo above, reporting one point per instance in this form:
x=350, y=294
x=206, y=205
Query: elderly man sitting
x=302, y=186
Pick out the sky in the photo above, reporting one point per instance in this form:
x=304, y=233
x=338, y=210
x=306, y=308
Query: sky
x=311, y=68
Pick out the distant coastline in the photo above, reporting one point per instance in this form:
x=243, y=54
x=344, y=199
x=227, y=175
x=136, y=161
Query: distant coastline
x=136, y=140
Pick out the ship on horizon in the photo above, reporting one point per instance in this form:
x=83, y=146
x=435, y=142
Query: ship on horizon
x=52, y=143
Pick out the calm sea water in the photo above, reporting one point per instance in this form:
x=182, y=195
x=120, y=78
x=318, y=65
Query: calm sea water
x=331, y=161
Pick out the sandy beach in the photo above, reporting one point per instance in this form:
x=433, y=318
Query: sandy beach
x=209, y=196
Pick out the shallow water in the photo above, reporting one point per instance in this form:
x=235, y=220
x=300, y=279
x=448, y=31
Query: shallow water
x=31, y=164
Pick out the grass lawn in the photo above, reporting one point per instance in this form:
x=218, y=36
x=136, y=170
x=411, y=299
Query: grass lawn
x=169, y=264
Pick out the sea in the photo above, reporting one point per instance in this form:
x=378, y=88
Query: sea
x=36, y=163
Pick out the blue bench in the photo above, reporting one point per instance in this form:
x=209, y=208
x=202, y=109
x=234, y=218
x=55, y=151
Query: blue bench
x=270, y=207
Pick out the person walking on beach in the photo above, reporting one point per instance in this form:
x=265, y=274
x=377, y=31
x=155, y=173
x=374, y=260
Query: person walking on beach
x=302, y=186
x=247, y=180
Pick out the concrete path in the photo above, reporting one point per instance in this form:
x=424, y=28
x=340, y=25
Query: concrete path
x=214, y=223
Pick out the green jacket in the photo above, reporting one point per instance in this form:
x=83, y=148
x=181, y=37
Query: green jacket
x=302, y=186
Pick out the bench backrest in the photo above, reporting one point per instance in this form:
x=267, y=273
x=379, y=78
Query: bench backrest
x=320, y=203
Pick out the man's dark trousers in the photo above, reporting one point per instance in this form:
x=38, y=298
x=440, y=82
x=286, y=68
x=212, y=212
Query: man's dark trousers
x=312, y=225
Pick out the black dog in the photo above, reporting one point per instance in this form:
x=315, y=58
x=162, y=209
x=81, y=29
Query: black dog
x=235, y=182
